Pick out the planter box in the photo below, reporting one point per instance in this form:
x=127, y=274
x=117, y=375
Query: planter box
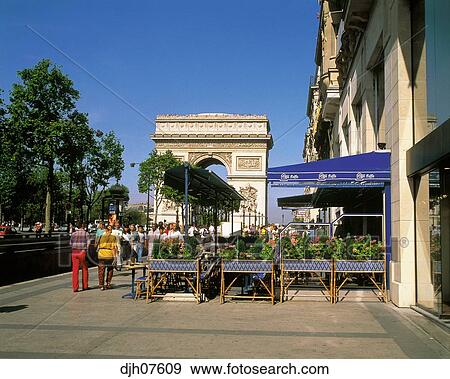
x=249, y=266
x=360, y=266
x=307, y=265
x=173, y=265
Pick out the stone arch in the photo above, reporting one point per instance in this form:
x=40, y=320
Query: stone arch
x=204, y=160
x=240, y=143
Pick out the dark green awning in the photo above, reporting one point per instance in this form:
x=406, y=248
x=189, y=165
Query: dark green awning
x=204, y=185
x=298, y=201
x=335, y=197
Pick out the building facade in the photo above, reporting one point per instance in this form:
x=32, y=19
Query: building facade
x=240, y=143
x=382, y=83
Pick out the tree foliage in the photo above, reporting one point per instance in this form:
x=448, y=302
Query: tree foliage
x=43, y=116
x=133, y=216
x=102, y=163
x=151, y=176
x=48, y=151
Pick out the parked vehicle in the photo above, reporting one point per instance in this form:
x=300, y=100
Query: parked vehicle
x=6, y=230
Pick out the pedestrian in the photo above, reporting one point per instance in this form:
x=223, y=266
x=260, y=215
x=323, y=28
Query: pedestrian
x=192, y=231
x=162, y=234
x=79, y=241
x=152, y=235
x=126, y=243
x=176, y=234
x=117, y=231
x=99, y=232
x=38, y=229
x=212, y=232
x=133, y=242
x=107, y=251
x=140, y=243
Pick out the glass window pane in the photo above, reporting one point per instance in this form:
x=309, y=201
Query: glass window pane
x=429, y=262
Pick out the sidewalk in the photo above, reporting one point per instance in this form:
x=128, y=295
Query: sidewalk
x=44, y=319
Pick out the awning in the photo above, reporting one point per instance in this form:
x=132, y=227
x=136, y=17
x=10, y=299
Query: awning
x=363, y=199
x=295, y=202
x=204, y=185
x=362, y=170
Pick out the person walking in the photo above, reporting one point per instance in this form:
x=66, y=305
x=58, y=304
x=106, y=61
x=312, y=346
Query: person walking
x=152, y=235
x=133, y=242
x=126, y=243
x=140, y=244
x=117, y=231
x=99, y=232
x=107, y=251
x=79, y=241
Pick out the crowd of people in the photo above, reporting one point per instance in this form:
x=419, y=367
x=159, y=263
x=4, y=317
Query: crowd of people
x=117, y=244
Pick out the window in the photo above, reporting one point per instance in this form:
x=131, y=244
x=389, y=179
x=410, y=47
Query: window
x=357, y=112
x=346, y=132
x=378, y=95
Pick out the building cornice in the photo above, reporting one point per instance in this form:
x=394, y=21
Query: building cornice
x=211, y=117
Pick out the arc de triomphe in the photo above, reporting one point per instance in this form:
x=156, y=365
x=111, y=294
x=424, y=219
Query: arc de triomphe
x=241, y=143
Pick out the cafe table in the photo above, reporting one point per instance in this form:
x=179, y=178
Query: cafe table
x=133, y=268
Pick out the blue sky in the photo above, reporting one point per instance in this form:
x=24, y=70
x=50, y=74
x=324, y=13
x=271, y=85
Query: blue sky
x=172, y=56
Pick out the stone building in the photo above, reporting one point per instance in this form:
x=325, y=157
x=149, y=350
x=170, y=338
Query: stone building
x=382, y=83
x=240, y=143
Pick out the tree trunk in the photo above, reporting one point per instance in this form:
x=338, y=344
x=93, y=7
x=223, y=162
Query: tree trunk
x=48, y=200
x=156, y=212
x=70, y=210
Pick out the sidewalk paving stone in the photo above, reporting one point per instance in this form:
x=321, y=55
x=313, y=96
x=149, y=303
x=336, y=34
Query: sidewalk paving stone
x=44, y=319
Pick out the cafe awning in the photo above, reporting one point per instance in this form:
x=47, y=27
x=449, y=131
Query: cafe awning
x=204, y=185
x=295, y=202
x=354, y=198
x=361, y=170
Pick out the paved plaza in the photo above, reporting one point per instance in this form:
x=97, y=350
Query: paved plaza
x=44, y=319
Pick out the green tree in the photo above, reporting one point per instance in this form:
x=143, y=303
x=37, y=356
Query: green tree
x=7, y=177
x=42, y=114
x=102, y=163
x=133, y=216
x=151, y=176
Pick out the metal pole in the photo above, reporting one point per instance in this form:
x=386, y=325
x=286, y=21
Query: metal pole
x=232, y=217
x=186, y=199
x=215, y=223
x=148, y=208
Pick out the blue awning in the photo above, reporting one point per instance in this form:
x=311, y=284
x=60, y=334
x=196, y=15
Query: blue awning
x=362, y=170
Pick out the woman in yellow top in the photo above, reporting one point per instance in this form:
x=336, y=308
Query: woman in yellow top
x=107, y=251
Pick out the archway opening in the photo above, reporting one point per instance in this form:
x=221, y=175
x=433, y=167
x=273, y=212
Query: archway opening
x=204, y=216
x=215, y=166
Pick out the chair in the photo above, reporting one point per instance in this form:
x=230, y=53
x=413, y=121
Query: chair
x=142, y=285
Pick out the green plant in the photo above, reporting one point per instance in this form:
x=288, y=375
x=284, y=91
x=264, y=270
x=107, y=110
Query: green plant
x=266, y=252
x=319, y=250
x=337, y=248
x=302, y=246
x=287, y=248
x=257, y=247
x=240, y=246
x=188, y=252
x=156, y=249
x=228, y=254
x=192, y=244
x=169, y=249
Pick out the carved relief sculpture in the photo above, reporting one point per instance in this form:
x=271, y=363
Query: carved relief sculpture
x=251, y=195
x=249, y=163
